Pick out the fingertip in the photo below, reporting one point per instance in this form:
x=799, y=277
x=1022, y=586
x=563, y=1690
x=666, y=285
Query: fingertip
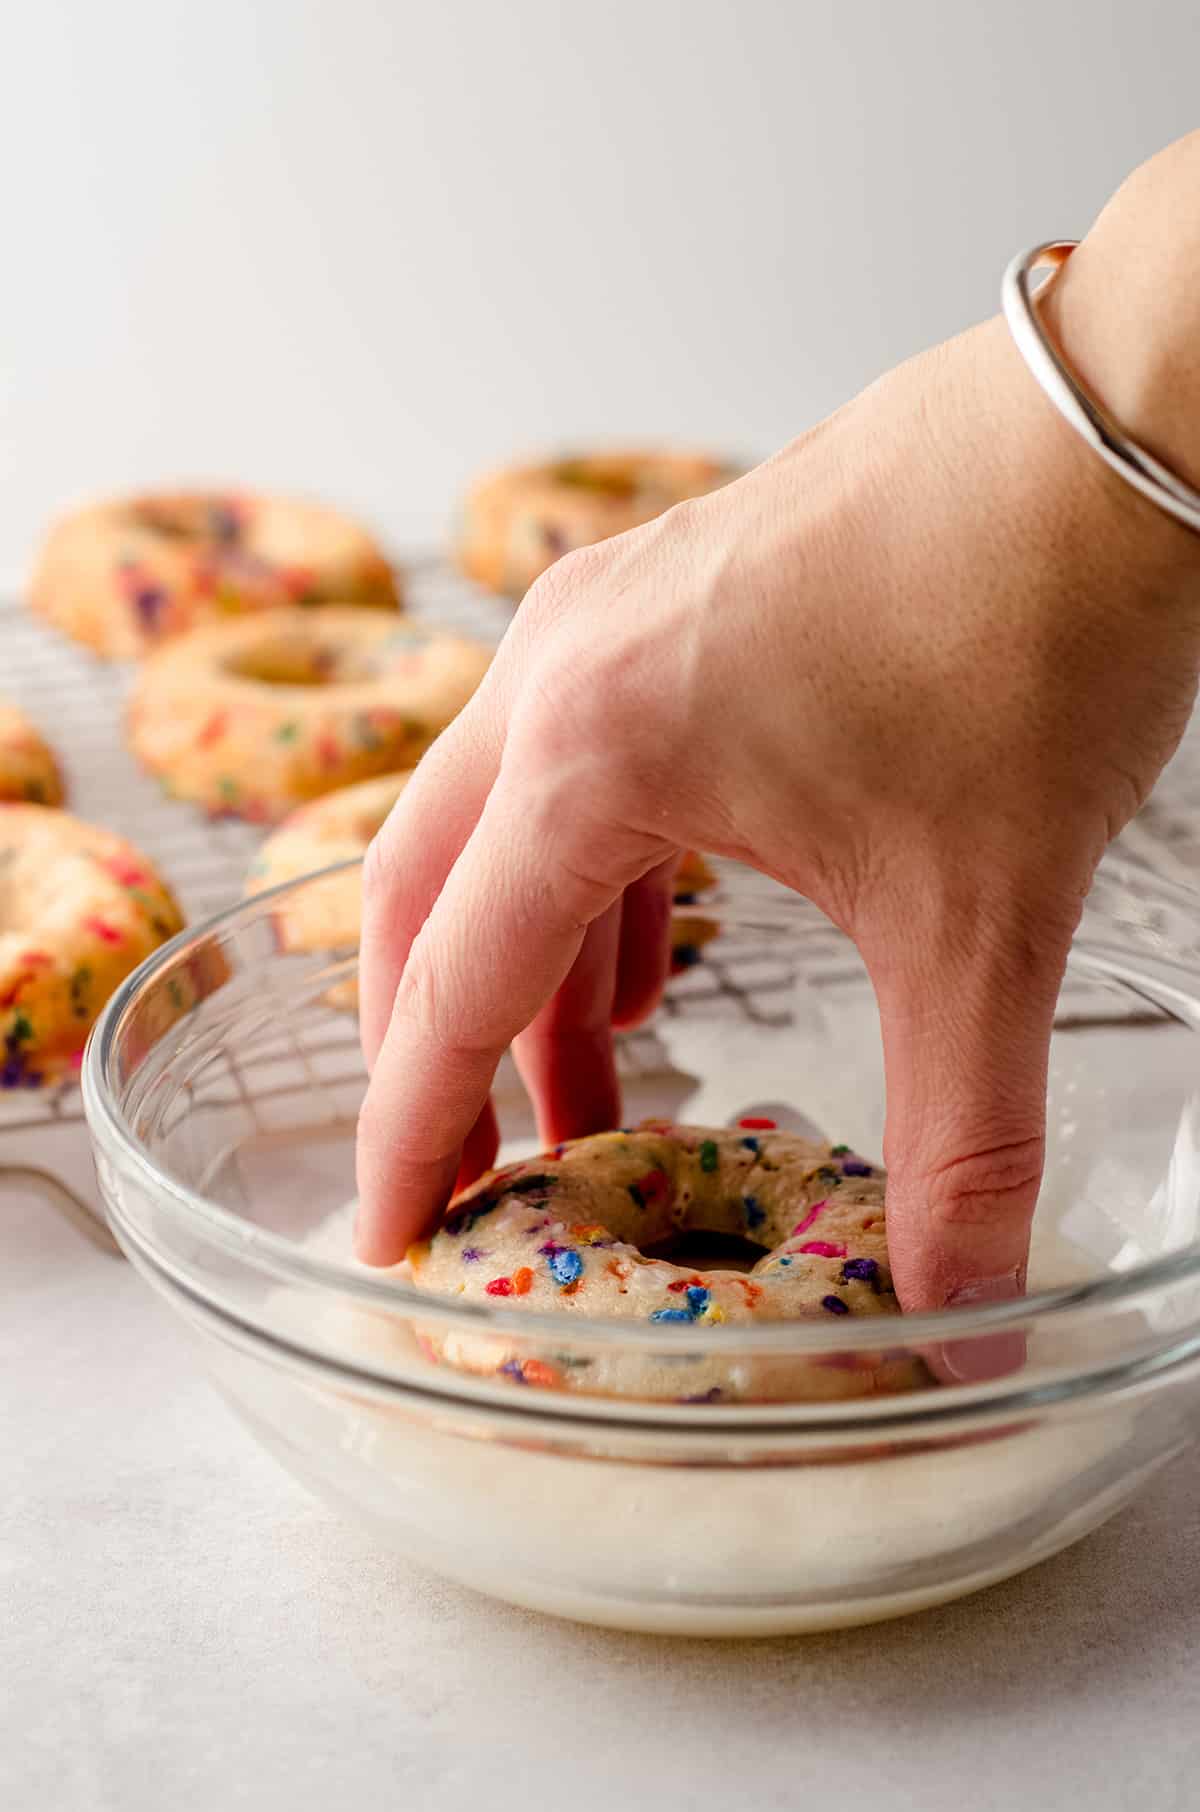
x=376, y=1242
x=929, y=1285
x=980, y=1360
x=399, y=1199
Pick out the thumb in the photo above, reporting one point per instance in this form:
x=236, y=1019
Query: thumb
x=967, y=1014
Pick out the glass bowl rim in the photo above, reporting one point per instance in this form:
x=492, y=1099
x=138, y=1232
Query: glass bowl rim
x=280, y=1257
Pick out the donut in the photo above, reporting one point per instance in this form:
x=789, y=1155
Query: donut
x=337, y=828
x=690, y=932
x=693, y=874
x=79, y=909
x=28, y=770
x=250, y=718
x=125, y=574
x=517, y=522
x=571, y=1233
x=326, y=915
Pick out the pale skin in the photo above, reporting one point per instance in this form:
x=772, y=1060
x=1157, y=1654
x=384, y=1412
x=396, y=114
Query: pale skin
x=920, y=666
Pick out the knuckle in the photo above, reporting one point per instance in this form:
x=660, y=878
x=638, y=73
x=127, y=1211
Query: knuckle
x=388, y=1144
x=445, y=1022
x=422, y=1004
x=986, y=1187
x=570, y=732
x=558, y=591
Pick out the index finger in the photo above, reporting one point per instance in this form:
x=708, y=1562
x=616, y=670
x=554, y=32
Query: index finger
x=499, y=941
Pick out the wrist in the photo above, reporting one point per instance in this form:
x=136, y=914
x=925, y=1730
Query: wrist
x=1125, y=309
x=1116, y=554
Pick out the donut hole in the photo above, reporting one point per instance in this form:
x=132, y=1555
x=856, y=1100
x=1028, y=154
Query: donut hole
x=696, y=1249
x=188, y=518
x=301, y=661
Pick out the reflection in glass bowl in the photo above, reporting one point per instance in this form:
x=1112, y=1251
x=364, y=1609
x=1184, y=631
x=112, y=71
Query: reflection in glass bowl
x=224, y=1140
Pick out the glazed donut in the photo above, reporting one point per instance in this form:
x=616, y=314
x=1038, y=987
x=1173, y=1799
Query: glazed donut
x=568, y=1233
x=28, y=770
x=79, y=909
x=517, y=522
x=328, y=914
x=124, y=575
x=249, y=718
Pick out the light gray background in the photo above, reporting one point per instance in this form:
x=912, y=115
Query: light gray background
x=361, y=246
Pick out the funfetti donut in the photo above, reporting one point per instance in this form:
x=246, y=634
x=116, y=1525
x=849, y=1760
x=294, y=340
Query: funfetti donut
x=124, y=575
x=517, y=522
x=571, y=1234
x=79, y=910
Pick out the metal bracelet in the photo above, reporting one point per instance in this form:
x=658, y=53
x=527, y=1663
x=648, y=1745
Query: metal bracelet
x=1088, y=417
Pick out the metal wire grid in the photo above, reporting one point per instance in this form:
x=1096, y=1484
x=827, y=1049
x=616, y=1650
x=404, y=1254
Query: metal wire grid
x=78, y=702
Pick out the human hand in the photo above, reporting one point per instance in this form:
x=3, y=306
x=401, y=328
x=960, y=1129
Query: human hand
x=921, y=667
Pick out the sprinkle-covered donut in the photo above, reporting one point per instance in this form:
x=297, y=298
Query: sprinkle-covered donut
x=572, y=1233
x=517, y=522
x=79, y=909
x=28, y=770
x=250, y=718
x=337, y=828
x=124, y=575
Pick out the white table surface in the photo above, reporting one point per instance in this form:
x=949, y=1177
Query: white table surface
x=182, y=1628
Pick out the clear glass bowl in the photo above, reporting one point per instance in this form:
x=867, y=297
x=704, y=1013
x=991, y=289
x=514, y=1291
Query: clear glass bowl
x=222, y=1086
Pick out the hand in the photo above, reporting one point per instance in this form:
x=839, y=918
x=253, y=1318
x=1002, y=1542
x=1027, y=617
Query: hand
x=921, y=666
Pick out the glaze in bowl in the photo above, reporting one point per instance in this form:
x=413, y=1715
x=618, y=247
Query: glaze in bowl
x=223, y=1126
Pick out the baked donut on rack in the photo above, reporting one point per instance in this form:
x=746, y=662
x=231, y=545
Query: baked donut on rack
x=250, y=718
x=335, y=828
x=572, y=1233
x=124, y=575
x=79, y=909
x=28, y=770
x=327, y=914
x=517, y=522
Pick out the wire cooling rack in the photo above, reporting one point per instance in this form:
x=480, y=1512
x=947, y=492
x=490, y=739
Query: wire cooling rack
x=79, y=702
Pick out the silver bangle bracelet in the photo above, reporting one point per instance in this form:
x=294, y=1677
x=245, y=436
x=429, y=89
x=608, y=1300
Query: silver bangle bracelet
x=1088, y=418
